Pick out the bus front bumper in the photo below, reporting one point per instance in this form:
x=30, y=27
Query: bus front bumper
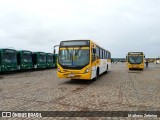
x=136, y=66
x=8, y=68
x=85, y=76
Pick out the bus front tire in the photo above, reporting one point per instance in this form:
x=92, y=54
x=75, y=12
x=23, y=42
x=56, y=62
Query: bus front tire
x=97, y=73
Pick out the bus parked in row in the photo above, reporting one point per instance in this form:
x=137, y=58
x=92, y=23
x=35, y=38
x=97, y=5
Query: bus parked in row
x=24, y=59
x=82, y=59
x=39, y=60
x=12, y=60
x=49, y=60
x=55, y=57
x=8, y=60
x=135, y=60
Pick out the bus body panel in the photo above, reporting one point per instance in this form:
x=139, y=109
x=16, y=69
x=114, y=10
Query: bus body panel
x=9, y=67
x=39, y=60
x=102, y=64
x=55, y=57
x=49, y=57
x=55, y=60
x=24, y=60
x=8, y=60
x=135, y=55
x=89, y=71
x=0, y=61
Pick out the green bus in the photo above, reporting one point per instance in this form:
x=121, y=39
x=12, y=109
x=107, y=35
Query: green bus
x=49, y=57
x=55, y=56
x=24, y=59
x=39, y=60
x=8, y=60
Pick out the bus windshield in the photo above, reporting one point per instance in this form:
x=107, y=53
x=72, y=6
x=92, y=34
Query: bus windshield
x=135, y=59
x=42, y=58
x=49, y=58
x=9, y=57
x=26, y=57
x=74, y=57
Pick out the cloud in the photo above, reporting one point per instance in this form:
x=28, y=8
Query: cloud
x=119, y=26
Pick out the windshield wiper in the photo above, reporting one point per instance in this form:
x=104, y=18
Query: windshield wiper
x=78, y=51
x=73, y=61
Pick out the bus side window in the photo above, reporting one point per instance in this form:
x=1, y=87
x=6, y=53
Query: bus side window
x=107, y=55
x=103, y=54
x=100, y=53
x=93, y=55
x=97, y=52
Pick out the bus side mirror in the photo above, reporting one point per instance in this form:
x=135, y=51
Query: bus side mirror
x=126, y=56
x=94, y=50
x=54, y=52
x=144, y=56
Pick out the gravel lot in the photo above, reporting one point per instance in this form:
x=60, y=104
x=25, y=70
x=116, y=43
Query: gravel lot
x=118, y=90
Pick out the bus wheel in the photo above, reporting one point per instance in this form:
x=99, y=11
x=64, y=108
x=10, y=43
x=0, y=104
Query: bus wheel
x=97, y=73
x=106, y=69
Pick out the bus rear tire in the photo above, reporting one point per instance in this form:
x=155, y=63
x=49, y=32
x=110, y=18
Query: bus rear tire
x=106, y=69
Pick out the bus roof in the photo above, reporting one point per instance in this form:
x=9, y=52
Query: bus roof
x=99, y=45
x=38, y=52
x=75, y=40
x=1, y=49
x=86, y=40
x=7, y=49
x=23, y=51
x=141, y=53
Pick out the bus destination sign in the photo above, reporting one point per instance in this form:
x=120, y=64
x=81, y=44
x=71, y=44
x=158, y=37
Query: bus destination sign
x=9, y=51
x=75, y=43
x=135, y=53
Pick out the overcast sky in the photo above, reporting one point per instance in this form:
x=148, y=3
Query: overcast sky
x=119, y=26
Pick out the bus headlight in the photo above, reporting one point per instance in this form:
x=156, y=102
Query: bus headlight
x=87, y=70
x=59, y=70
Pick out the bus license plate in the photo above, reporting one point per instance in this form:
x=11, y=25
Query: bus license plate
x=71, y=75
x=135, y=66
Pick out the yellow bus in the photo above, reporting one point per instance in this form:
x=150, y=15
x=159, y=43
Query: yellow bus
x=82, y=59
x=135, y=60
